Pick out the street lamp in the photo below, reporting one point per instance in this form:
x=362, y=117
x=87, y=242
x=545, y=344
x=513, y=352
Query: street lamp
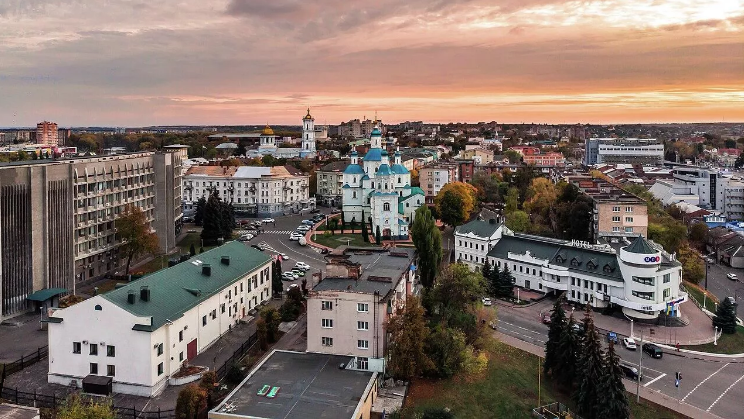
x=715, y=335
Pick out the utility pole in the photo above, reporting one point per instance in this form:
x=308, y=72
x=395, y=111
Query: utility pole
x=640, y=371
x=539, y=387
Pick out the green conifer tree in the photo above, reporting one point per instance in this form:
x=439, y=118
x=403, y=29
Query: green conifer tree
x=557, y=328
x=590, y=369
x=569, y=347
x=614, y=400
x=725, y=318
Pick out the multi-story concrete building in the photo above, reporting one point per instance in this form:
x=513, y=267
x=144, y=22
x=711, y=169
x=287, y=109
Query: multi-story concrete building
x=637, y=276
x=258, y=191
x=347, y=310
x=330, y=181
x=47, y=133
x=141, y=334
x=434, y=176
x=475, y=239
x=623, y=150
x=57, y=218
x=617, y=213
x=707, y=188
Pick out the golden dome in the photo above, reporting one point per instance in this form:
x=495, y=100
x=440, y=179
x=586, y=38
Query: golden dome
x=267, y=130
x=308, y=116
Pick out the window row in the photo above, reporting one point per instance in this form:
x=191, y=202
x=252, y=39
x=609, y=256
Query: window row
x=77, y=348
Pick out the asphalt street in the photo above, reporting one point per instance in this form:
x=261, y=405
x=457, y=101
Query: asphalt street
x=712, y=384
x=723, y=287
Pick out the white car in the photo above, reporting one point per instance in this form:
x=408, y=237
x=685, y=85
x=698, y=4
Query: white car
x=302, y=265
x=732, y=277
x=292, y=286
x=629, y=343
x=289, y=276
x=487, y=302
x=295, y=236
x=307, y=222
x=283, y=256
x=268, y=220
x=303, y=228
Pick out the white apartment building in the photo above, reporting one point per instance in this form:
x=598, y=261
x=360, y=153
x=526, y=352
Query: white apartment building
x=475, y=239
x=330, y=182
x=141, y=334
x=709, y=189
x=637, y=276
x=347, y=310
x=434, y=176
x=623, y=150
x=257, y=191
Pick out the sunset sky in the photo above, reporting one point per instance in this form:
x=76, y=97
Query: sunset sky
x=135, y=63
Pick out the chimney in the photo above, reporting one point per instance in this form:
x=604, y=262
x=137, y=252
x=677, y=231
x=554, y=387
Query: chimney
x=131, y=297
x=225, y=260
x=207, y=269
x=145, y=293
x=491, y=221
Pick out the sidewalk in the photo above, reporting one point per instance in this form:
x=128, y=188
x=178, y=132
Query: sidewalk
x=645, y=393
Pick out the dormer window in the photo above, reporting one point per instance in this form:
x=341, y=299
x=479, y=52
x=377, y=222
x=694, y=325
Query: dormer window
x=560, y=259
x=591, y=265
x=575, y=262
x=608, y=269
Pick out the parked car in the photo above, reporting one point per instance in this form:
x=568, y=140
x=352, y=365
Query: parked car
x=304, y=228
x=283, y=256
x=307, y=222
x=546, y=318
x=245, y=237
x=292, y=286
x=299, y=272
x=288, y=276
x=257, y=247
x=302, y=265
x=612, y=337
x=335, y=211
x=629, y=344
x=256, y=223
x=487, y=302
x=318, y=218
x=302, y=241
x=732, y=276
x=268, y=220
x=295, y=236
x=578, y=328
x=652, y=350
x=314, y=211
x=630, y=372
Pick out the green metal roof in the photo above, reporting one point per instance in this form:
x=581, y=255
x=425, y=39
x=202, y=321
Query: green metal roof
x=641, y=246
x=173, y=290
x=480, y=228
x=45, y=294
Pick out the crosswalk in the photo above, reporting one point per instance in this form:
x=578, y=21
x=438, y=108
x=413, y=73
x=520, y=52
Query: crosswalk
x=285, y=232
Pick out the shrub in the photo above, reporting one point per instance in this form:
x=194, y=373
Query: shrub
x=191, y=400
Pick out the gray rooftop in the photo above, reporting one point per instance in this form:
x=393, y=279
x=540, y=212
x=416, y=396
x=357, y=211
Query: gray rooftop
x=481, y=228
x=375, y=267
x=311, y=386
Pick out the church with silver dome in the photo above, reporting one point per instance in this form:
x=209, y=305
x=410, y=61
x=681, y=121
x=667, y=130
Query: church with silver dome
x=379, y=191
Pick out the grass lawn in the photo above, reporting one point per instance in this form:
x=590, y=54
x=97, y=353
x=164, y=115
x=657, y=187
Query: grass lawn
x=355, y=240
x=697, y=293
x=727, y=344
x=184, y=246
x=507, y=390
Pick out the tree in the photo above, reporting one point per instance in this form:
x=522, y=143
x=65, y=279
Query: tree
x=569, y=347
x=333, y=225
x=512, y=200
x=693, y=269
x=408, y=335
x=343, y=223
x=192, y=399
x=261, y=334
x=614, y=401
x=199, y=214
x=699, y=232
x=504, y=283
x=276, y=277
x=455, y=202
x=486, y=270
x=725, y=318
x=590, y=369
x=556, y=330
x=456, y=288
x=219, y=219
x=272, y=318
x=134, y=233
x=517, y=221
x=513, y=156
x=446, y=347
x=365, y=233
x=541, y=197
x=192, y=250
x=378, y=236
x=428, y=241
x=75, y=408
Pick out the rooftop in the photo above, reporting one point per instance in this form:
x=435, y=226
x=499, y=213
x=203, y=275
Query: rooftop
x=380, y=271
x=480, y=228
x=337, y=166
x=177, y=289
x=641, y=246
x=310, y=386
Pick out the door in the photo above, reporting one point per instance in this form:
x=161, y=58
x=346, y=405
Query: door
x=191, y=350
x=527, y=285
x=243, y=312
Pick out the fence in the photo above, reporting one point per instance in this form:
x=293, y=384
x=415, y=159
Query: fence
x=25, y=361
x=45, y=401
x=553, y=411
x=237, y=355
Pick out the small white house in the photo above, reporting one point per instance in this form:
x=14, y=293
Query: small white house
x=475, y=239
x=141, y=334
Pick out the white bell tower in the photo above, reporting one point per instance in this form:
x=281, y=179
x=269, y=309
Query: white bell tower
x=308, y=133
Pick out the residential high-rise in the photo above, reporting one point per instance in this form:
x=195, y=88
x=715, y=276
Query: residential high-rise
x=47, y=133
x=57, y=219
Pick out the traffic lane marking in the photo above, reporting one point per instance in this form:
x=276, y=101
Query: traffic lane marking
x=703, y=382
x=654, y=380
x=724, y=393
x=520, y=327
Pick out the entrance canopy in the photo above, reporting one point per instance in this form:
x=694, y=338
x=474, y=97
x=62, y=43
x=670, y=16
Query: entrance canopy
x=46, y=294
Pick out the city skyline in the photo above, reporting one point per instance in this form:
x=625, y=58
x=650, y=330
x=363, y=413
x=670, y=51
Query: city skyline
x=240, y=62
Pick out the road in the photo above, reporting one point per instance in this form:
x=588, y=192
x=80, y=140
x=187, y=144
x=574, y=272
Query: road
x=723, y=287
x=712, y=384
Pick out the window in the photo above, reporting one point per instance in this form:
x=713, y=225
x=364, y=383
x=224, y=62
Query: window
x=363, y=363
x=326, y=323
x=615, y=229
x=628, y=219
x=326, y=305
x=628, y=209
x=93, y=349
x=667, y=278
x=667, y=293
x=363, y=307
x=93, y=368
x=110, y=370
x=111, y=350
x=160, y=349
x=204, y=320
x=362, y=325
x=363, y=344
x=222, y=308
x=180, y=357
x=326, y=341
x=644, y=295
x=628, y=229
x=615, y=219
x=160, y=369
x=615, y=209
x=386, y=206
x=76, y=347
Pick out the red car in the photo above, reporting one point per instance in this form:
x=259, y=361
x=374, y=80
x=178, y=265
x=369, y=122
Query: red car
x=546, y=318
